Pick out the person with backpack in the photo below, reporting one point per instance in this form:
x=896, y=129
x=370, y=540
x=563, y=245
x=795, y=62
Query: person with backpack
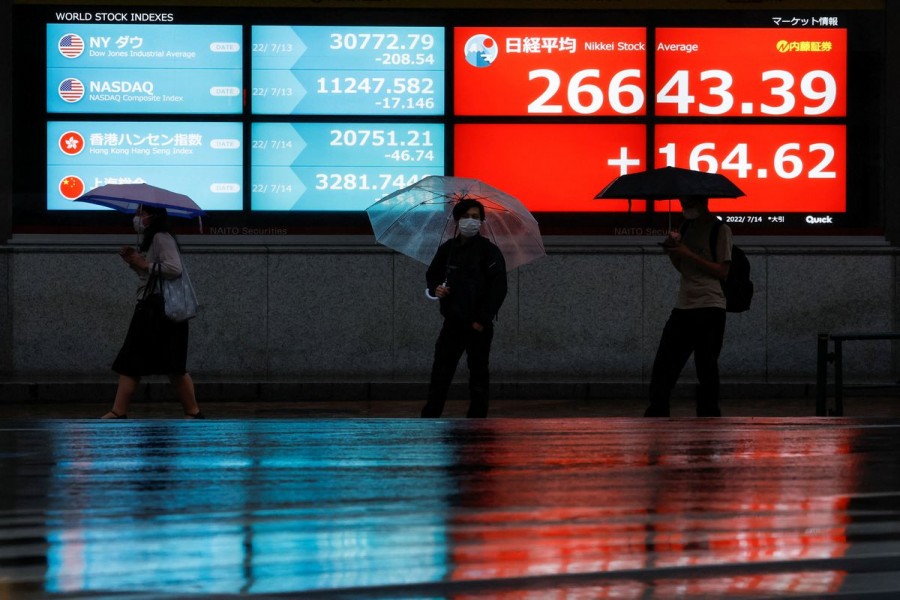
x=702, y=253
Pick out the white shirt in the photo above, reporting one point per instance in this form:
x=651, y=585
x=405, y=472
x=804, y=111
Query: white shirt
x=698, y=288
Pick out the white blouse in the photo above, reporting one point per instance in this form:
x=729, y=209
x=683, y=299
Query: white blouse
x=163, y=251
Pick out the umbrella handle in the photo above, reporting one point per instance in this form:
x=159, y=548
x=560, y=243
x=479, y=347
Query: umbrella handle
x=428, y=293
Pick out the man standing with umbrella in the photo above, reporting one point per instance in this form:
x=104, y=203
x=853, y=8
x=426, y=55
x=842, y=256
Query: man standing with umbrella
x=697, y=323
x=468, y=276
x=466, y=272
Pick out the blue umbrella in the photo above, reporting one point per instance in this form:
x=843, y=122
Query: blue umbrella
x=127, y=197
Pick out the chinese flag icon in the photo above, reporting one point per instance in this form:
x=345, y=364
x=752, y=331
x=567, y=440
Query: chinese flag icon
x=71, y=187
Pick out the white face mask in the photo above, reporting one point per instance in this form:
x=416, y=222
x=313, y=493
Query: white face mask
x=691, y=213
x=469, y=227
x=138, y=224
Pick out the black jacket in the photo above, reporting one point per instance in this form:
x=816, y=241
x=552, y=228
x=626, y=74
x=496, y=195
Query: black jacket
x=475, y=272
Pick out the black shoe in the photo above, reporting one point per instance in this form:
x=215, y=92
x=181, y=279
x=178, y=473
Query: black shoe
x=654, y=410
x=196, y=415
x=709, y=412
x=432, y=411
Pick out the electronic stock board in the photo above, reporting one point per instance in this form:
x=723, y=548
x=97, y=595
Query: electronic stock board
x=296, y=116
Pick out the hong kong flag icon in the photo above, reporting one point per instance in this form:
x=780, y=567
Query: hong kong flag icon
x=71, y=187
x=71, y=143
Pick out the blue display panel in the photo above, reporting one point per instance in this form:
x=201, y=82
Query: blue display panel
x=144, y=69
x=324, y=70
x=202, y=160
x=339, y=166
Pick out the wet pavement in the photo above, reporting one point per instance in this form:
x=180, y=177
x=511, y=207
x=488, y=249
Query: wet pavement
x=505, y=508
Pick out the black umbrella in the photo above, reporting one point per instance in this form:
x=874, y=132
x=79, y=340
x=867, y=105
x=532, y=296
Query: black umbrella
x=669, y=183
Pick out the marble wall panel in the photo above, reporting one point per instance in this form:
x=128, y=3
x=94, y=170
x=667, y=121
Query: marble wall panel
x=580, y=317
x=229, y=337
x=70, y=310
x=330, y=315
x=810, y=292
x=359, y=315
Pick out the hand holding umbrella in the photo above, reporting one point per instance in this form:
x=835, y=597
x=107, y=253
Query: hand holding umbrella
x=135, y=259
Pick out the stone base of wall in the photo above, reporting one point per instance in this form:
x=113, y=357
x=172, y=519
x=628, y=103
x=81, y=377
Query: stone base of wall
x=158, y=390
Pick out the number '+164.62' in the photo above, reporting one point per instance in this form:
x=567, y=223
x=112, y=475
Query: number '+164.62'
x=787, y=162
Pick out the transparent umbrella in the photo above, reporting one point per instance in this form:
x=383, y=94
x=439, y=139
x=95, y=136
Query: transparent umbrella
x=417, y=219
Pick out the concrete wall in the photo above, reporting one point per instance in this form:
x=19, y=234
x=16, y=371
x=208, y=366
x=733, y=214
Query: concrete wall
x=357, y=315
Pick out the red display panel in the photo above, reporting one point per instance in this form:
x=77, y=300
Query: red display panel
x=781, y=168
x=551, y=168
x=550, y=71
x=751, y=72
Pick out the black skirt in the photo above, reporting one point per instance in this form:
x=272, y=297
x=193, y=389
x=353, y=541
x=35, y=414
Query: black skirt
x=161, y=350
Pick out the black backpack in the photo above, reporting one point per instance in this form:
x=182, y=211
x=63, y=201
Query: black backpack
x=737, y=287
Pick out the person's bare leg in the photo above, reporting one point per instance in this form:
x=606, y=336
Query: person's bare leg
x=127, y=386
x=184, y=387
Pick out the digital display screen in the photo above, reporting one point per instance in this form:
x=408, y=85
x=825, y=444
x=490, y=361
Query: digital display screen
x=781, y=168
x=751, y=72
x=298, y=119
x=550, y=71
x=339, y=166
x=528, y=161
x=144, y=69
x=548, y=77
x=201, y=160
x=315, y=70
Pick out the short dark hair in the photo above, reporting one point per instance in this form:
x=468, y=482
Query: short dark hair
x=158, y=212
x=463, y=206
x=159, y=221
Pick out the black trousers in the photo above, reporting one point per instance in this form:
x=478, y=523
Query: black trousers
x=699, y=331
x=455, y=338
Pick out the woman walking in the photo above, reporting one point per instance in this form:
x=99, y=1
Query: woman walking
x=165, y=352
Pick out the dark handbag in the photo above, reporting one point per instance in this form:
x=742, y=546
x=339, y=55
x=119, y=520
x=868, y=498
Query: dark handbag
x=150, y=313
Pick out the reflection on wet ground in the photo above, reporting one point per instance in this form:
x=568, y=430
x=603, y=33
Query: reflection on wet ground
x=406, y=508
